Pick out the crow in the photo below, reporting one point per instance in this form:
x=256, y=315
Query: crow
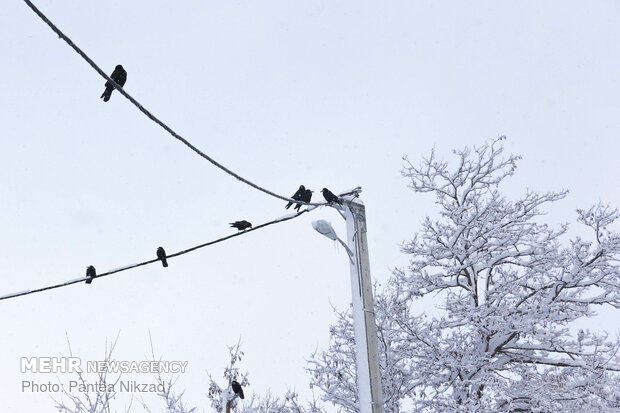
x=307, y=197
x=330, y=197
x=297, y=196
x=91, y=273
x=119, y=75
x=241, y=225
x=237, y=388
x=161, y=255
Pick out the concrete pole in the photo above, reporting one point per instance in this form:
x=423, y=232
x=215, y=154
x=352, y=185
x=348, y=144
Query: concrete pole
x=365, y=326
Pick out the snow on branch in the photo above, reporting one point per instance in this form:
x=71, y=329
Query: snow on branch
x=508, y=288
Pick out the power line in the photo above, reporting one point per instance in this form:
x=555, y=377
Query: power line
x=355, y=191
x=153, y=117
x=168, y=256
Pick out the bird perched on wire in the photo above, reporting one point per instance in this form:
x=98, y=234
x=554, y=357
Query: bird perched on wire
x=91, y=273
x=119, y=75
x=241, y=225
x=306, y=197
x=237, y=388
x=297, y=196
x=161, y=255
x=330, y=197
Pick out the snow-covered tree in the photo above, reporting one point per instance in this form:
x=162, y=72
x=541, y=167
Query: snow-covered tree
x=508, y=288
x=98, y=394
x=224, y=400
x=91, y=402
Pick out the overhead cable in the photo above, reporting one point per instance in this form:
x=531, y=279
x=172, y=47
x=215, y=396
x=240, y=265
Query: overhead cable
x=153, y=117
x=89, y=279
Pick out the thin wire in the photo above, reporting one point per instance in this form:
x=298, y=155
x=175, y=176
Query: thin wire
x=151, y=116
x=168, y=256
x=354, y=192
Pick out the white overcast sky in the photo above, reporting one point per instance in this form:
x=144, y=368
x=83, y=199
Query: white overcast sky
x=319, y=93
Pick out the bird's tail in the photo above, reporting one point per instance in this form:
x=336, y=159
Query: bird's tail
x=106, y=94
x=297, y=207
x=288, y=205
x=164, y=262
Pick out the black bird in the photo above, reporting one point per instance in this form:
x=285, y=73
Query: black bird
x=241, y=225
x=161, y=255
x=237, y=388
x=307, y=197
x=297, y=196
x=91, y=273
x=330, y=197
x=119, y=75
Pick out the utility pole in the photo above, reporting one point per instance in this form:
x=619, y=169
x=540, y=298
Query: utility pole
x=365, y=326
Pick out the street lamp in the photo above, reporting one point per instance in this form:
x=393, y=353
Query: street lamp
x=325, y=228
x=370, y=392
